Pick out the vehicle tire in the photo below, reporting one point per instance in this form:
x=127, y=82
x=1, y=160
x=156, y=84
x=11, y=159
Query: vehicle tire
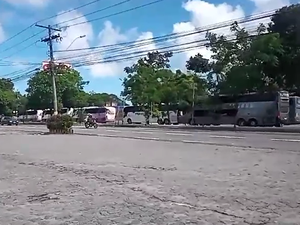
x=191, y=122
x=87, y=125
x=160, y=122
x=129, y=121
x=95, y=125
x=253, y=123
x=167, y=121
x=241, y=122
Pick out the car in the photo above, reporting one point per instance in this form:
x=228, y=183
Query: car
x=7, y=120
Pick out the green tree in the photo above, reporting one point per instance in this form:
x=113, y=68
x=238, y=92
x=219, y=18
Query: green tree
x=69, y=86
x=241, y=62
x=286, y=23
x=8, y=97
x=143, y=83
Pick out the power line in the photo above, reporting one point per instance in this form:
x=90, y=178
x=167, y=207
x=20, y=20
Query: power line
x=20, y=50
x=165, y=38
x=197, y=30
x=174, y=49
x=39, y=21
x=20, y=74
x=25, y=40
x=117, y=13
x=129, y=48
x=91, y=13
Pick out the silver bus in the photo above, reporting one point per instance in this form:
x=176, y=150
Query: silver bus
x=254, y=109
x=294, y=114
x=265, y=109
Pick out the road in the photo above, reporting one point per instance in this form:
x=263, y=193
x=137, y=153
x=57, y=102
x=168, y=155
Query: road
x=145, y=176
x=254, y=140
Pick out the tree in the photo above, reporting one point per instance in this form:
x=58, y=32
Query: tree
x=8, y=97
x=286, y=23
x=142, y=84
x=241, y=62
x=69, y=87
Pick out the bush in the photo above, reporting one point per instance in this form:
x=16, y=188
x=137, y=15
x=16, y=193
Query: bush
x=60, y=123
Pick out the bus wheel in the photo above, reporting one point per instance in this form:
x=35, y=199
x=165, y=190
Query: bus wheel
x=167, y=121
x=129, y=121
x=253, y=122
x=241, y=122
x=160, y=121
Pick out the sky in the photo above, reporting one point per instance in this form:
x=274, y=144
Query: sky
x=162, y=18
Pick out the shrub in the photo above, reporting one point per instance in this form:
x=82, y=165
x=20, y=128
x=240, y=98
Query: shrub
x=60, y=123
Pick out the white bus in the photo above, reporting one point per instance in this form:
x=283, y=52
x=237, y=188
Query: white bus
x=32, y=115
x=101, y=114
x=133, y=114
x=66, y=111
x=47, y=113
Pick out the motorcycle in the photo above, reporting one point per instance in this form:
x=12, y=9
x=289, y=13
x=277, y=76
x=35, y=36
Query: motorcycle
x=89, y=124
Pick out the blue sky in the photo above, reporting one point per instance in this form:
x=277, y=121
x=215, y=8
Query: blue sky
x=162, y=18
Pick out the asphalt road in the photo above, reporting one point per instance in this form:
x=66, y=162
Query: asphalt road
x=253, y=140
x=88, y=180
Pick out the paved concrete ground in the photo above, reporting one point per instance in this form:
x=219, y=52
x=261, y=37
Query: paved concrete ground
x=87, y=180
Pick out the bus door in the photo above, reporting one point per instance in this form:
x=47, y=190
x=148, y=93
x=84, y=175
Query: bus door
x=203, y=117
x=298, y=109
x=225, y=116
x=294, y=111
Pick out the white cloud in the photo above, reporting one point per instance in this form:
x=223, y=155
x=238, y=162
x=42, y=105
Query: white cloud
x=266, y=5
x=35, y=3
x=204, y=14
x=110, y=35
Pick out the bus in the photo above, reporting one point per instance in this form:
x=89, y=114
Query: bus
x=253, y=109
x=101, y=114
x=32, y=115
x=263, y=109
x=47, y=113
x=135, y=115
x=294, y=114
x=66, y=111
x=174, y=112
x=206, y=116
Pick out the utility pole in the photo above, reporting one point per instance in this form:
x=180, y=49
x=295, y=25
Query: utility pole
x=49, y=40
x=193, y=98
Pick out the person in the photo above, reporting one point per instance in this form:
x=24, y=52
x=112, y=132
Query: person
x=90, y=118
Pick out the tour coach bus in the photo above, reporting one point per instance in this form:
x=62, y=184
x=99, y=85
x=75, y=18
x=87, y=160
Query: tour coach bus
x=253, y=109
x=101, y=114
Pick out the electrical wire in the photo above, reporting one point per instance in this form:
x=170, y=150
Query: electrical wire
x=197, y=30
x=163, y=39
x=20, y=74
x=117, y=13
x=20, y=50
x=130, y=48
x=91, y=13
x=59, y=14
x=175, y=49
x=23, y=41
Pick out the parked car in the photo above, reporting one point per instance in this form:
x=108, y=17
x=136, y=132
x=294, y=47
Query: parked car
x=7, y=120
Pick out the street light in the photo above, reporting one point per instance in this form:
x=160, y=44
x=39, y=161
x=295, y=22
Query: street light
x=82, y=36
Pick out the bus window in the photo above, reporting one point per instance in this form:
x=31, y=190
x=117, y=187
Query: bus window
x=92, y=110
x=201, y=113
